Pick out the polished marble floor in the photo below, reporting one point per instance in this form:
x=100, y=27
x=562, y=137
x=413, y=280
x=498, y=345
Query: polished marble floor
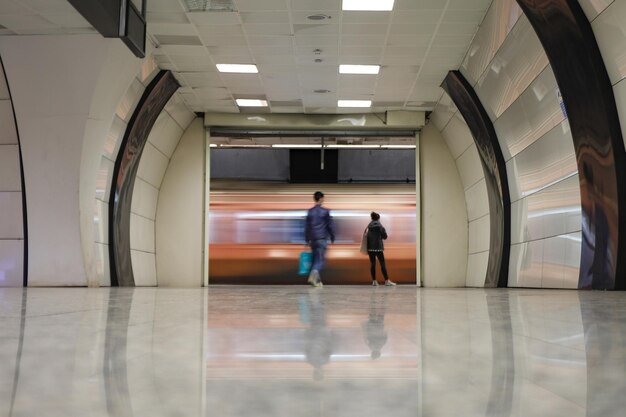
x=297, y=351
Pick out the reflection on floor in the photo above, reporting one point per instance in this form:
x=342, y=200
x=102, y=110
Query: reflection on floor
x=297, y=351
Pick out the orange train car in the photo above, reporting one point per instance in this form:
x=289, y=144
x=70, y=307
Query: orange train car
x=256, y=232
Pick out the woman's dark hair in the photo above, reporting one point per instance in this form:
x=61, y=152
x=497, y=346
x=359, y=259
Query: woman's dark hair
x=375, y=216
x=318, y=195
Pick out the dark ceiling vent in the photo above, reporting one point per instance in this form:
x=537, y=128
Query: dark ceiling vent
x=318, y=17
x=211, y=5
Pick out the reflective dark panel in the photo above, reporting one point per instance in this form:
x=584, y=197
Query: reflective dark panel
x=571, y=47
x=150, y=106
x=494, y=168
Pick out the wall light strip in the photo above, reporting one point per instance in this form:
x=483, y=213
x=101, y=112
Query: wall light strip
x=353, y=146
x=238, y=68
x=368, y=5
x=358, y=69
x=399, y=146
x=354, y=103
x=297, y=145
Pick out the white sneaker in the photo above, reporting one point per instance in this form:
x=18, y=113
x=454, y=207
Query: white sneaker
x=374, y=283
x=314, y=278
x=389, y=283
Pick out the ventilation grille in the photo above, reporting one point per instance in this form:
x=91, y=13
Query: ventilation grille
x=210, y=5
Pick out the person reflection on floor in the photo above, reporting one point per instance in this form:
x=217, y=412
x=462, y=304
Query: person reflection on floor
x=374, y=328
x=319, y=338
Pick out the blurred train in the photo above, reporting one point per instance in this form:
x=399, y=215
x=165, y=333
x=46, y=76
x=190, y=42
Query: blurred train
x=256, y=231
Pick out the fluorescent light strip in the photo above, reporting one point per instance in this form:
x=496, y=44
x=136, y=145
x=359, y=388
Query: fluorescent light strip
x=244, y=102
x=354, y=146
x=298, y=145
x=213, y=145
x=359, y=69
x=368, y=5
x=399, y=146
x=238, y=68
x=354, y=103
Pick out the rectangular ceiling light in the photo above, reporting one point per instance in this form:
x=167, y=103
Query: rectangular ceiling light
x=298, y=145
x=354, y=103
x=246, y=102
x=368, y=5
x=238, y=68
x=359, y=69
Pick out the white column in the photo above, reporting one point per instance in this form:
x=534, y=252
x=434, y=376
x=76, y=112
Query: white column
x=207, y=202
x=418, y=216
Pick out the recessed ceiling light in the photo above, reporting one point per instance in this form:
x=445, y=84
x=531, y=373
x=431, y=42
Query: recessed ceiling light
x=368, y=5
x=354, y=103
x=359, y=69
x=318, y=17
x=238, y=68
x=246, y=102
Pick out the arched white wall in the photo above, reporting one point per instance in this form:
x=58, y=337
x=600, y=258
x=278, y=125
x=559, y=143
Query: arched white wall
x=444, y=216
x=11, y=219
x=53, y=81
x=180, y=211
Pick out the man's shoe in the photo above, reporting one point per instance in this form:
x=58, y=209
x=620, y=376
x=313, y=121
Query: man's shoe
x=314, y=277
x=374, y=283
x=389, y=283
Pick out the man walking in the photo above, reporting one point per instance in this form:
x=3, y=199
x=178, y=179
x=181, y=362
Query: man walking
x=318, y=230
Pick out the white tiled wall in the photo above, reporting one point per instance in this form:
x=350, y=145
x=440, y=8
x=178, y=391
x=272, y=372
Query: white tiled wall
x=155, y=159
x=11, y=214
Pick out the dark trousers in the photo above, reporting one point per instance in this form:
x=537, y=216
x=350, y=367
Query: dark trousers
x=383, y=266
x=319, y=254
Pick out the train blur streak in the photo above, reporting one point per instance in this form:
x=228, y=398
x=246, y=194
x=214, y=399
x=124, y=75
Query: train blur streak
x=257, y=233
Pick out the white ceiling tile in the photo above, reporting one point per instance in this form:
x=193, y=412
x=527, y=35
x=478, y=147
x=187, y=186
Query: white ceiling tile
x=361, y=50
x=402, y=60
x=257, y=5
x=224, y=40
x=469, y=4
x=44, y=6
x=189, y=67
x=202, y=79
x=68, y=20
x=413, y=29
x=238, y=59
x=456, y=28
x=218, y=51
x=22, y=23
x=276, y=60
x=359, y=60
x=463, y=16
x=210, y=31
x=164, y=6
x=311, y=50
x=271, y=50
x=407, y=40
x=285, y=41
x=419, y=51
x=364, y=29
x=316, y=29
x=280, y=109
x=190, y=59
x=265, y=17
x=231, y=79
x=316, y=41
x=452, y=40
x=316, y=5
x=184, y=50
x=277, y=69
x=275, y=29
x=171, y=29
x=362, y=40
x=209, y=93
x=214, y=18
x=332, y=60
x=418, y=4
x=15, y=7
x=301, y=16
x=164, y=17
x=415, y=17
x=365, y=17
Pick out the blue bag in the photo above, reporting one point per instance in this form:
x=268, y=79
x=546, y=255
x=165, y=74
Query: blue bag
x=306, y=260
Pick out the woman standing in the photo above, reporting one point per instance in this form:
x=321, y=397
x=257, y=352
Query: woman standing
x=376, y=233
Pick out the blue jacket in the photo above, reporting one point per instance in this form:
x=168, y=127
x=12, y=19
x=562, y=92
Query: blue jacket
x=319, y=224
